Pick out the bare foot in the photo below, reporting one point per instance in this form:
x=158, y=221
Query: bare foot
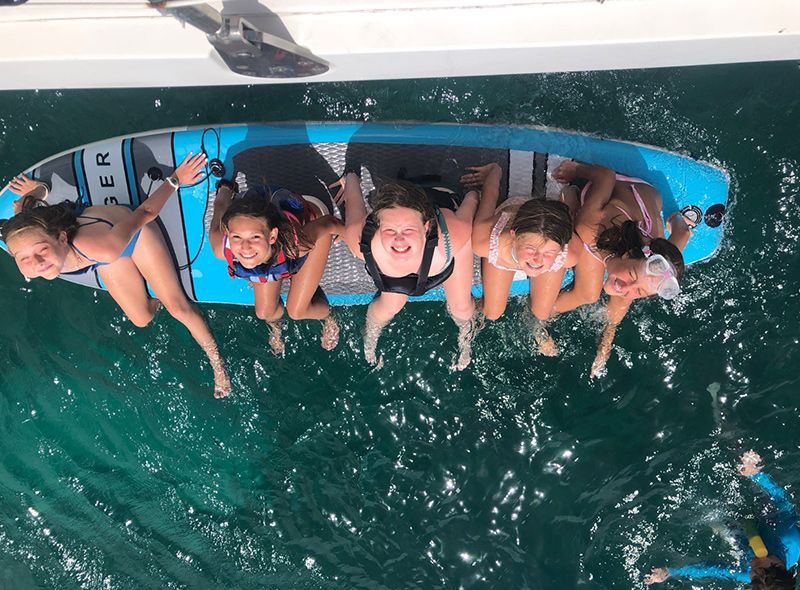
x=547, y=346
x=467, y=330
x=276, y=338
x=372, y=358
x=330, y=333
x=222, y=383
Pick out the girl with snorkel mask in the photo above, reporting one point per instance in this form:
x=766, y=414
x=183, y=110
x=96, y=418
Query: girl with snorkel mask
x=625, y=253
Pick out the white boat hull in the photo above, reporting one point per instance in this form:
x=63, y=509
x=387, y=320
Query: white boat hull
x=131, y=44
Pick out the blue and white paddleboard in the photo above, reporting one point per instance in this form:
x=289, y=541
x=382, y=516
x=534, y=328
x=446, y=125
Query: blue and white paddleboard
x=306, y=157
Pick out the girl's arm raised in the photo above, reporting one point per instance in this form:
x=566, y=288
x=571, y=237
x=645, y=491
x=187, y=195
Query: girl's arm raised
x=121, y=234
x=486, y=178
x=216, y=235
x=351, y=197
x=591, y=212
x=323, y=227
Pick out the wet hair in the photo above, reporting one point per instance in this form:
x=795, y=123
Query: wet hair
x=620, y=240
x=395, y=194
x=35, y=213
x=257, y=203
x=551, y=219
x=773, y=577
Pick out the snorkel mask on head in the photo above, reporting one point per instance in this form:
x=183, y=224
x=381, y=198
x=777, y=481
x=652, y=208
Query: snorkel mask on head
x=655, y=265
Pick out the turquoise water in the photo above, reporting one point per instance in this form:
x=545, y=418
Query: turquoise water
x=119, y=470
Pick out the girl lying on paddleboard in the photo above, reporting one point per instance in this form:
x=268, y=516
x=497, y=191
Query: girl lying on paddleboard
x=125, y=247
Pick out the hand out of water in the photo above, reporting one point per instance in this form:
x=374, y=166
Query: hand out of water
x=750, y=464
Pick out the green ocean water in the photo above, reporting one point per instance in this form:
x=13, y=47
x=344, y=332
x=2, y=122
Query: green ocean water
x=119, y=470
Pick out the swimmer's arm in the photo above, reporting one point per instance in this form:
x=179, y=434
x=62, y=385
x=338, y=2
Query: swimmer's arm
x=777, y=495
x=785, y=520
x=709, y=570
x=615, y=313
x=486, y=178
x=355, y=213
x=216, y=235
x=591, y=214
x=119, y=236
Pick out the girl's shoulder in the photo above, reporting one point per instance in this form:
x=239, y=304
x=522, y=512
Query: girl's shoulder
x=574, y=249
x=460, y=231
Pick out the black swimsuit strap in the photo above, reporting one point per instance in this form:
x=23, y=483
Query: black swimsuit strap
x=370, y=227
x=94, y=220
x=427, y=256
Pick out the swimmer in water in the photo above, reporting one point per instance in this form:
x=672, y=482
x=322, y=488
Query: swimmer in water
x=770, y=550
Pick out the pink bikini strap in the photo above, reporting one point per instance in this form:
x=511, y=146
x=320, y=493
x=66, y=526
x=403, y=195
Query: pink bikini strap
x=646, y=225
x=494, y=237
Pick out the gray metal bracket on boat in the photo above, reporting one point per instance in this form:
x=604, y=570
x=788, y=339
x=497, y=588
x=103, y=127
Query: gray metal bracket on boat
x=244, y=47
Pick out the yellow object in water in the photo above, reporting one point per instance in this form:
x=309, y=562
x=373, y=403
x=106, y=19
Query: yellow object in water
x=754, y=539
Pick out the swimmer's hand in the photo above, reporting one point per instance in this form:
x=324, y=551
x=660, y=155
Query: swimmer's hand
x=191, y=169
x=658, y=575
x=480, y=174
x=750, y=464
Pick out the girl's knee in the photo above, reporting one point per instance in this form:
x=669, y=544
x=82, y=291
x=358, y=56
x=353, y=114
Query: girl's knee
x=182, y=311
x=493, y=314
x=141, y=319
x=389, y=307
x=540, y=314
x=462, y=309
x=268, y=313
x=588, y=298
x=296, y=311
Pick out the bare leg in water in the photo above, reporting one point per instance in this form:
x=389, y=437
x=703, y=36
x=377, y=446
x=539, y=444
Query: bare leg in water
x=152, y=262
x=270, y=309
x=379, y=313
x=458, y=288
